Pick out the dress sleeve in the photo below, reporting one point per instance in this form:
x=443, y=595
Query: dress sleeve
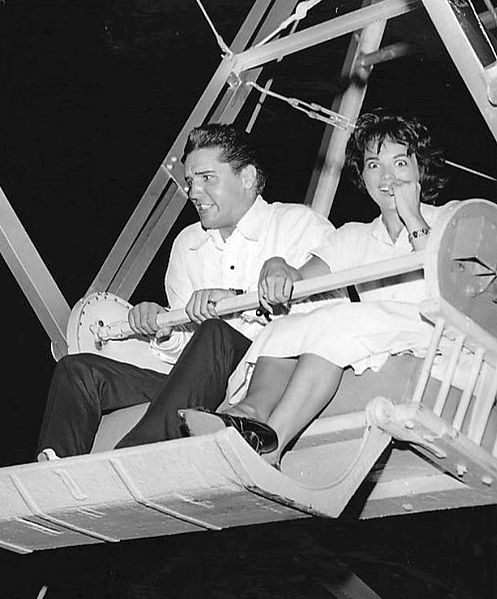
x=338, y=253
x=303, y=231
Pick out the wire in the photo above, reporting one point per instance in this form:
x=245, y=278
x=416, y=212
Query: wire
x=315, y=111
x=470, y=170
x=312, y=110
x=220, y=42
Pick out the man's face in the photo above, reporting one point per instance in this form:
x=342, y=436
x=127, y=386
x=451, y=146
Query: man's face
x=220, y=195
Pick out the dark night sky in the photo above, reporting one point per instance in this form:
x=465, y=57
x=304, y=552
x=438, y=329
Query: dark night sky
x=93, y=93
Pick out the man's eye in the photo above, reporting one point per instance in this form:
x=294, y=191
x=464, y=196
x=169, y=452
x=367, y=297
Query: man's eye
x=208, y=177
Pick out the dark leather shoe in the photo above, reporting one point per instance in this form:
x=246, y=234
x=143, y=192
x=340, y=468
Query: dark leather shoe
x=258, y=435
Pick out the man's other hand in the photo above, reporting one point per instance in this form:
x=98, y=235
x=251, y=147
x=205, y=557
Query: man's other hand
x=276, y=282
x=202, y=304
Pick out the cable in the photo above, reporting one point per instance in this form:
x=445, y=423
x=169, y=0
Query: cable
x=312, y=110
x=220, y=42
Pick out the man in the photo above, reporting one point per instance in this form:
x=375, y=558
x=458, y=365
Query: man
x=221, y=255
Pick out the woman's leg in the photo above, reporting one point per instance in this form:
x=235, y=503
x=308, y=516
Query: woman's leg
x=287, y=393
x=267, y=385
x=312, y=385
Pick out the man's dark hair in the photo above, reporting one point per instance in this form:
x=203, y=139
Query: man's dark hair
x=375, y=127
x=234, y=145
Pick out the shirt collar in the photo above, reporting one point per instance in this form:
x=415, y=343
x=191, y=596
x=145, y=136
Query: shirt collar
x=249, y=226
x=379, y=232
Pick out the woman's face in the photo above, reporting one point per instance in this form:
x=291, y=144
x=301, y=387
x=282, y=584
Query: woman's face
x=385, y=166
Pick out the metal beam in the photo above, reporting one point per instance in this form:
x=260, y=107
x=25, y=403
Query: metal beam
x=33, y=277
x=464, y=57
x=324, y=32
x=149, y=239
x=140, y=239
x=326, y=174
x=235, y=97
x=170, y=166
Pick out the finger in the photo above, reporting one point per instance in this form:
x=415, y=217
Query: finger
x=278, y=291
x=212, y=308
x=196, y=307
x=262, y=289
x=132, y=321
x=287, y=290
x=265, y=304
x=137, y=320
x=272, y=287
x=163, y=333
x=204, y=307
x=189, y=307
x=140, y=313
x=151, y=325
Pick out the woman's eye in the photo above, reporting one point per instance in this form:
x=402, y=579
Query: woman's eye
x=402, y=162
x=372, y=165
x=208, y=177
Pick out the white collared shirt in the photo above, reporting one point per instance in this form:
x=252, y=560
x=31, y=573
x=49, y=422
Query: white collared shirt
x=355, y=244
x=201, y=259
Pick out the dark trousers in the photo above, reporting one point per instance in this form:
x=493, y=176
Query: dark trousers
x=84, y=386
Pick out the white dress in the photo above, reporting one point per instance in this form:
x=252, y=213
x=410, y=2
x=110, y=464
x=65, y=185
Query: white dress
x=361, y=335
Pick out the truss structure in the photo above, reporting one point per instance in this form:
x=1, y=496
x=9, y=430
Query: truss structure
x=457, y=24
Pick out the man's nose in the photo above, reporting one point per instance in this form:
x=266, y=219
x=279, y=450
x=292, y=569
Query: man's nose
x=195, y=191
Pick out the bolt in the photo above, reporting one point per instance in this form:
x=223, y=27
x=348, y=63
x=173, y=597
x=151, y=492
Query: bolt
x=452, y=433
x=461, y=470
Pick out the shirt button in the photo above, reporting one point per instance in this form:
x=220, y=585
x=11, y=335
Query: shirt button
x=232, y=267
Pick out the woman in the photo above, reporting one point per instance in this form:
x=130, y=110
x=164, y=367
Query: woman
x=299, y=359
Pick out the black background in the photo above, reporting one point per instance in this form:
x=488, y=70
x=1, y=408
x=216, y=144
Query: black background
x=92, y=95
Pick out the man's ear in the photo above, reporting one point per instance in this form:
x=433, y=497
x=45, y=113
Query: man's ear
x=249, y=176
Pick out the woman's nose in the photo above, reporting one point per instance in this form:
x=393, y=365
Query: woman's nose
x=387, y=176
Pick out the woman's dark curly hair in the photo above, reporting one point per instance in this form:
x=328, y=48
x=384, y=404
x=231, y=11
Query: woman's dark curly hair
x=379, y=125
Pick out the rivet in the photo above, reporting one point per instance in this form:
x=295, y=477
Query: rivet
x=487, y=480
x=409, y=424
x=452, y=432
x=461, y=469
x=407, y=507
